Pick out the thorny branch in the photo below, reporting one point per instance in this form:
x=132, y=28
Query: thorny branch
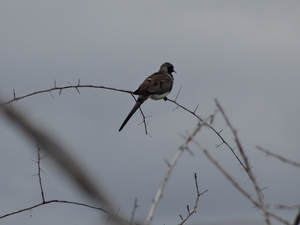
x=159, y=193
x=195, y=205
x=133, y=211
x=287, y=207
x=297, y=219
x=235, y=184
x=60, y=88
x=39, y=172
x=246, y=163
x=171, y=166
x=44, y=202
x=281, y=158
x=218, y=133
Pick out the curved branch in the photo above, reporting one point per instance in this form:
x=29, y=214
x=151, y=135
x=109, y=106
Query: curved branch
x=55, y=88
x=63, y=202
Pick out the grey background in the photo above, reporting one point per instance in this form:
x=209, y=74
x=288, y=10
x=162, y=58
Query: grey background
x=244, y=53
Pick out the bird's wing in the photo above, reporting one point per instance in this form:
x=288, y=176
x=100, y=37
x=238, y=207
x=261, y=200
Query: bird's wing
x=157, y=83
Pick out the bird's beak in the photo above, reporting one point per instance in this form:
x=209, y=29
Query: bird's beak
x=174, y=71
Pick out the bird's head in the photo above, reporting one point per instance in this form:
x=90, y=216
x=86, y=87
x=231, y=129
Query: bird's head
x=167, y=67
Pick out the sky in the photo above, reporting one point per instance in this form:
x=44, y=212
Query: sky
x=243, y=53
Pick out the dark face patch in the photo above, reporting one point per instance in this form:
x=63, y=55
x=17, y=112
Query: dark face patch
x=155, y=84
x=170, y=69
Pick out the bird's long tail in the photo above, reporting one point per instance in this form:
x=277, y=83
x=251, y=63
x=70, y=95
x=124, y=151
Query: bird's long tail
x=135, y=107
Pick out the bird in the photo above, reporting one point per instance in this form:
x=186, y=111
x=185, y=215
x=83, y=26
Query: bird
x=157, y=86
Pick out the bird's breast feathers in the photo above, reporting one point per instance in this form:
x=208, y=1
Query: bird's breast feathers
x=159, y=96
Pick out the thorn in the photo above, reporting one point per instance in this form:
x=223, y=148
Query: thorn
x=55, y=83
x=77, y=90
x=166, y=161
x=196, y=109
x=218, y=145
x=60, y=91
x=175, y=108
x=11, y=107
x=78, y=82
x=180, y=217
x=51, y=94
x=178, y=93
x=188, y=209
x=189, y=151
x=14, y=93
x=211, y=120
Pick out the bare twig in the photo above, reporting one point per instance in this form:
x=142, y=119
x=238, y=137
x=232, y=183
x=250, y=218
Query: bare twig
x=39, y=173
x=171, y=165
x=133, y=211
x=77, y=89
x=195, y=205
x=162, y=186
x=15, y=98
x=297, y=219
x=246, y=163
x=178, y=94
x=55, y=201
x=115, y=215
x=293, y=207
x=287, y=207
x=144, y=117
x=281, y=158
x=218, y=133
x=235, y=184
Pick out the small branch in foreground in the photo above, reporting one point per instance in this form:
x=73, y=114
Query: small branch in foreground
x=162, y=186
x=39, y=173
x=38, y=162
x=297, y=219
x=195, y=205
x=133, y=211
x=281, y=158
x=287, y=207
x=171, y=165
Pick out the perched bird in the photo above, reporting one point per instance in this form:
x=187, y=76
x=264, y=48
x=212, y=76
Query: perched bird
x=157, y=86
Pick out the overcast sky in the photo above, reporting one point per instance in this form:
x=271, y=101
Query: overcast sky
x=244, y=53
